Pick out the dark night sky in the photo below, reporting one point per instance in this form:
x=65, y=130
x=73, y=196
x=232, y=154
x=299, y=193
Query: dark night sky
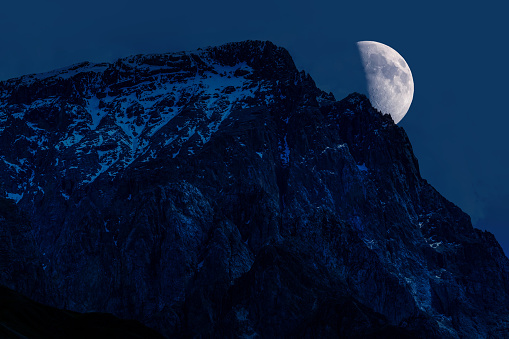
x=456, y=50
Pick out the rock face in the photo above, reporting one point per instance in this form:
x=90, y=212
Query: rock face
x=220, y=192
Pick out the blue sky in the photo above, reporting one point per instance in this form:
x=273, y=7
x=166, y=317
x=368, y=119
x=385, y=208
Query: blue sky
x=456, y=50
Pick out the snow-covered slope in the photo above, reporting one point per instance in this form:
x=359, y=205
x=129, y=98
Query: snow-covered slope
x=111, y=115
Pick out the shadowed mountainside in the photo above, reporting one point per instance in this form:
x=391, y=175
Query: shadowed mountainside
x=220, y=192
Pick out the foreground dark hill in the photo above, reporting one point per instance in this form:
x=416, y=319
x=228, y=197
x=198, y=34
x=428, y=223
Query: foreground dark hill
x=219, y=192
x=23, y=318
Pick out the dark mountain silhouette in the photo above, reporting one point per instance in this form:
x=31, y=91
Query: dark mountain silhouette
x=23, y=318
x=220, y=193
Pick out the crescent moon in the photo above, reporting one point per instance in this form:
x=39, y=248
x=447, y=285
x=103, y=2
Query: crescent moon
x=389, y=79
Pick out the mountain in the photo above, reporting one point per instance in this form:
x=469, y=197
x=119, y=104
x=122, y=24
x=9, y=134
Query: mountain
x=220, y=193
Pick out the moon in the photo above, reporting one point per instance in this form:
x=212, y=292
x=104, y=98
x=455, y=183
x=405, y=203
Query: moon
x=389, y=80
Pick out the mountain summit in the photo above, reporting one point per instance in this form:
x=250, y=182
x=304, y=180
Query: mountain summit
x=219, y=192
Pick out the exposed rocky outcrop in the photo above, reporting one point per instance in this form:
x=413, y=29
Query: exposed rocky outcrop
x=220, y=192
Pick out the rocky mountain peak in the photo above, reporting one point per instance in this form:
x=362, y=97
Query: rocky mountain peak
x=219, y=192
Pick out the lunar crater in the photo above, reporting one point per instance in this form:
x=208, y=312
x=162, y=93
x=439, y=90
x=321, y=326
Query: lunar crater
x=389, y=79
